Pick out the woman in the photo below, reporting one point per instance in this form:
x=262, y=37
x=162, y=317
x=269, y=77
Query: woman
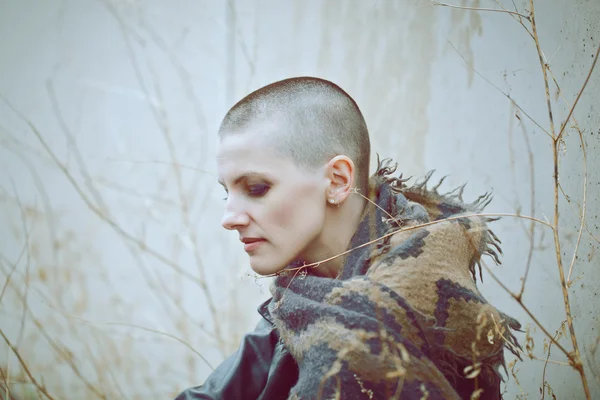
x=367, y=303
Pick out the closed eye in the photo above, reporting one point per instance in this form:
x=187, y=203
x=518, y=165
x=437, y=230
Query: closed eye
x=258, y=190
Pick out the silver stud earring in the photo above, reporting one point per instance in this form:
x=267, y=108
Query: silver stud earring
x=332, y=201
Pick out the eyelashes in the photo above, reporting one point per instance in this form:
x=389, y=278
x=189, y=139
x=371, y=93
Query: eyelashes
x=257, y=190
x=226, y=193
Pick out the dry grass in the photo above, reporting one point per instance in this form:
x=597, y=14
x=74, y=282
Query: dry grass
x=42, y=276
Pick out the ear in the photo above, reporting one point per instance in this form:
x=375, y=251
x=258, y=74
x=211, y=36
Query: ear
x=340, y=172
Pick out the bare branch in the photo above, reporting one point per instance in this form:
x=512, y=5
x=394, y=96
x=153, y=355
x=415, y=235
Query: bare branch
x=171, y=164
x=548, y=358
x=587, y=79
x=575, y=356
x=410, y=228
x=532, y=209
x=437, y=3
x=72, y=142
x=528, y=311
x=508, y=96
x=583, y=206
x=543, y=66
x=24, y=365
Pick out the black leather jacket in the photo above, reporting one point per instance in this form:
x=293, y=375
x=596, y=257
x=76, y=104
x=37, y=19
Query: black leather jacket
x=260, y=369
x=263, y=369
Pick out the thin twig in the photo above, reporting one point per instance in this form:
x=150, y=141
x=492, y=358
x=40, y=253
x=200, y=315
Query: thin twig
x=575, y=356
x=526, y=309
x=582, y=212
x=89, y=182
x=170, y=164
x=569, y=201
x=437, y=3
x=532, y=209
x=24, y=365
x=508, y=96
x=12, y=270
x=583, y=206
x=515, y=349
x=141, y=245
x=161, y=118
x=544, y=68
x=28, y=259
x=378, y=206
x=47, y=302
x=58, y=347
x=169, y=335
x=587, y=79
x=410, y=228
x=6, y=380
x=547, y=360
x=516, y=16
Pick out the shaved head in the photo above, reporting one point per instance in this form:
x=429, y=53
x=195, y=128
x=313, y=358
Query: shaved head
x=315, y=121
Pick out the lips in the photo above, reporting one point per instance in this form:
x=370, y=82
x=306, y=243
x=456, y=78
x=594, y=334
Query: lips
x=251, y=244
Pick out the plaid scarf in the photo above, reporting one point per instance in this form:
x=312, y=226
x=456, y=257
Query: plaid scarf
x=405, y=318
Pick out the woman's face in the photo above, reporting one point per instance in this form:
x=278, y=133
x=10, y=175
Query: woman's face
x=277, y=207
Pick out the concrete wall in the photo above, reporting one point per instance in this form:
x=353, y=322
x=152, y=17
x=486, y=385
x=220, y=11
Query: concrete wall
x=110, y=214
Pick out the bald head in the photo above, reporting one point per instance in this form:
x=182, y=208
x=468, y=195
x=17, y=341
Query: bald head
x=316, y=120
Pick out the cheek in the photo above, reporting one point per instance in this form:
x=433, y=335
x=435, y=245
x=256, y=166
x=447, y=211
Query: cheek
x=300, y=214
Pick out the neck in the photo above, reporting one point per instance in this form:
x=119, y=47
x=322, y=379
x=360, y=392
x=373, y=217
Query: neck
x=340, y=227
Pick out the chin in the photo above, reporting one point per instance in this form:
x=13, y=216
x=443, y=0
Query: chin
x=265, y=267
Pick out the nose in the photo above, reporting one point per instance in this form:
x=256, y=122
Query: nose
x=234, y=218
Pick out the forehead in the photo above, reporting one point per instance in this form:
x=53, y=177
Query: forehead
x=250, y=152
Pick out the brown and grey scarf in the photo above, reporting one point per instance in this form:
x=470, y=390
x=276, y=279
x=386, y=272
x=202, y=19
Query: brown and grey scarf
x=405, y=319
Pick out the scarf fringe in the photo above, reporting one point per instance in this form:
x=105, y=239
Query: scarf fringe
x=452, y=200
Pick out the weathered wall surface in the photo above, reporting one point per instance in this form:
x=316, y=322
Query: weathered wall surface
x=117, y=277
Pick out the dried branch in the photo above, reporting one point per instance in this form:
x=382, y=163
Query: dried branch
x=583, y=207
x=529, y=313
x=6, y=381
x=543, y=64
x=587, y=79
x=517, y=16
x=24, y=366
x=162, y=121
x=548, y=358
x=569, y=201
x=12, y=270
x=170, y=164
x=514, y=13
x=408, y=228
x=47, y=302
x=73, y=144
x=59, y=348
x=142, y=246
x=575, y=356
x=508, y=96
x=582, y=213
x=532, y=210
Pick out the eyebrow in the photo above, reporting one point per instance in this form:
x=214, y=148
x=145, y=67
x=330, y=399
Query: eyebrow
x=241, y=178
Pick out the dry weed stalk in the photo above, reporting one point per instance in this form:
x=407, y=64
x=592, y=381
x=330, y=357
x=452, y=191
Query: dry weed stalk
x=94, y=201
x=101, y=374
x=161, y=118
x=528, y=21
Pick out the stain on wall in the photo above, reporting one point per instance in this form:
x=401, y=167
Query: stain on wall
x=118, y=279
